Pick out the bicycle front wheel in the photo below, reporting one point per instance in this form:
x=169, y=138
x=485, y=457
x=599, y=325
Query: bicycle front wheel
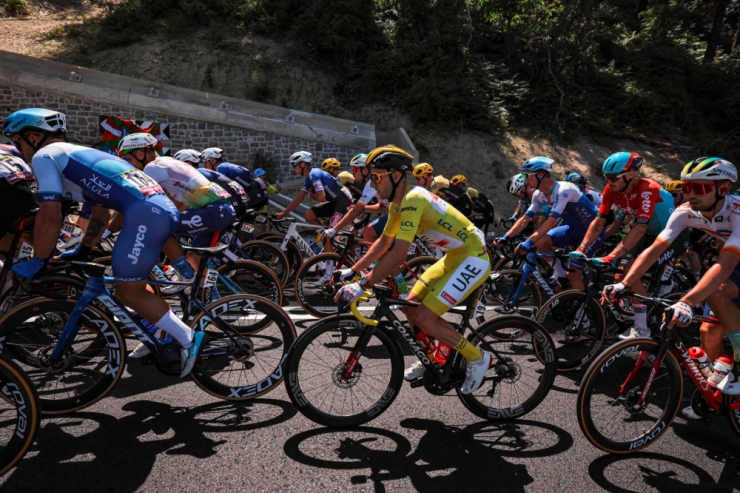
x=576, y=324
x=329, y=386
x=19, y=414
x=608, y=412
x=313, y=290
x=518, y=379
x=248, y=362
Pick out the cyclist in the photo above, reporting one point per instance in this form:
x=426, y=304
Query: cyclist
x=237, y=199
x=568, y=204
x=483, y=210
x=424, y=174
x=454, y=194
x=84, y=174
x=710, y=207
x=463, y=268
x=517, y=186
x=347, y=179
x=582, y=183
x=18, y=192
x=650, y=205
x=267, y=189
x=331, y=166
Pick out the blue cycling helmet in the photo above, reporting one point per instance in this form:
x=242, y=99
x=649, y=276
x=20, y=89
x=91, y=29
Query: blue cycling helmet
x=259, y=172
x=576, y=178
x=621, y=162
x=538, y=163
x=35, y=118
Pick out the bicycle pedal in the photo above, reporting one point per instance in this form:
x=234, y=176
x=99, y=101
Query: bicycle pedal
x=419, y=382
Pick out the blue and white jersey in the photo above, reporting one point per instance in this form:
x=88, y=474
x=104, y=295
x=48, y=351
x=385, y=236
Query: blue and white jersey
x=594, y=195
x=83, y=174
x=13, y=169
x=568, y=203
x=321, y=181
x=238, y=173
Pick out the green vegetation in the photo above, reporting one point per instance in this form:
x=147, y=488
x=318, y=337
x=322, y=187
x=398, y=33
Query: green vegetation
x=660, y=70
x=15, y=8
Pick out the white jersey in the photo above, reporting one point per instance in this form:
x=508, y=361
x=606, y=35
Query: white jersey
x=184, y=183
x=368, y=194
x=14, y=169
x=725, y=225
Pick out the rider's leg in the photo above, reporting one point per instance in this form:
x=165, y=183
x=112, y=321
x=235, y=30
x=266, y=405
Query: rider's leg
x=724, y=303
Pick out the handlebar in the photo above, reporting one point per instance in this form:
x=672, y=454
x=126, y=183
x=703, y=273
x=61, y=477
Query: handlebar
x=353, y=306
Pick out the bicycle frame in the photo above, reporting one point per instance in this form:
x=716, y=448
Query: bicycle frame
x=530, y=269
x=292, y=234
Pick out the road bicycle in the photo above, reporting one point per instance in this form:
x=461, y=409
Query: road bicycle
x=20, y=414
x=632, y=392
x=74, y=352
x=348, y=369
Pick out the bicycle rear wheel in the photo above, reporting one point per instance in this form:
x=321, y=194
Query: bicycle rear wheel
x=20, y=414
x=312, y=291
x=317, y=368
x=518, y=379
x=265, y=333
x=250, y=278
x=292, y=252
x=270, y=256
x=90, y=365
x=577, y=336
x=609, y=416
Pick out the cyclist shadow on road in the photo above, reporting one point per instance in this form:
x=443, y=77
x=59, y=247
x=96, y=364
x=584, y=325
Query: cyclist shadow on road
x=89, y=451
x=446, y=458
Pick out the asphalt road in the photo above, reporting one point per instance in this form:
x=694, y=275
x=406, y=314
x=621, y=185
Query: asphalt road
x=159, y=433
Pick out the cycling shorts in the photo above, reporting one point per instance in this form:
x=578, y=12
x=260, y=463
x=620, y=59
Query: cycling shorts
x=203, y=222
x=735, y=277
x=675, y=249
x=379, y=224
x=334, y=211
x=16, y=201
x=451, y=279
x=147, y=225
x=565, y=236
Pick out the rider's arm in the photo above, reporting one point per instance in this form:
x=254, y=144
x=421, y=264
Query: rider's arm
x=543, y=229
x=351, y=215
x=96, y=227
x=613, y=228
x=319, y=197
x=379, y=208
x=46, y=229
x=390, y=262
x=518, y=209
x=629, y=241
x=376, y=251
x=594, y=230
x=645, y=261
x=518, y=226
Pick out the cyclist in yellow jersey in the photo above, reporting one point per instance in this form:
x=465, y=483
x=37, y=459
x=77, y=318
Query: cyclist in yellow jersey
x=415, y=211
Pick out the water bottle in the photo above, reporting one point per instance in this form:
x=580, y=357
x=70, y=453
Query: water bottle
x=169, y=271
x=426, y=342
x=443, y=352
x=316, y=247
x=720, y=369
x=401, y=283
x=701, y=360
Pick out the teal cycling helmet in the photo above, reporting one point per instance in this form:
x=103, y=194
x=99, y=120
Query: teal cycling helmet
x=621, y=162
x=576, y=178
x=259, y=172
x=35, y=119
x=538, y=163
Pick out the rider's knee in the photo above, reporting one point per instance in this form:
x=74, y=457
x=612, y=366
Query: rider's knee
x=310, y=216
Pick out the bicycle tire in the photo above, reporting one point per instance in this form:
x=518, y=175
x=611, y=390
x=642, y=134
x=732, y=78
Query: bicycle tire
x=574, y=346
x=600, y=388
x=258, y=372
x=321, y=352
x=536, y=375
x=21, y=420
x=733, y=417
x=318, y=300
x=32, y=329
x=251, y=278
x=294, y=254
x=269, y=255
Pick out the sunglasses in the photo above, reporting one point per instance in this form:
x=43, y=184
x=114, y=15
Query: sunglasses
x=376, y=177
x=697, y=189
x=615, y=177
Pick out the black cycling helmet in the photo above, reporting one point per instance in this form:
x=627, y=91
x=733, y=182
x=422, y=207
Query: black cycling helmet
x=390, y=157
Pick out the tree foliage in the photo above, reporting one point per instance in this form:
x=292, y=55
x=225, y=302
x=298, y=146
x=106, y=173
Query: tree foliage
x=662, y=69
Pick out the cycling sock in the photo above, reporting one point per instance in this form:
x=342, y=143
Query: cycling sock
x=329, y=269
x=175, y=327
x=558, y=268
x=183, y=268
x=640, y=315
x=468, y=351
x=734, y=338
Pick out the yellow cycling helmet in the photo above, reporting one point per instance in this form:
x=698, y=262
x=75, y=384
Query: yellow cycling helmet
x=345, y=177
x=329, y=164
x=472, y=193
x=674, y=186
x=459, y=180
x=422, y=169
x=439, y=185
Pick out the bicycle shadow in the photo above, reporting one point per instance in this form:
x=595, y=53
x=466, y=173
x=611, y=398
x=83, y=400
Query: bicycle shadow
x=445, y=459
x=140, y=379
x=619, y=473
x=93, y=451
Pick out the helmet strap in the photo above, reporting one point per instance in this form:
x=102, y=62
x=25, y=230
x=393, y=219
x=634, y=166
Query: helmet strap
x=395, y=184
x=717, y=198
x=44, y=138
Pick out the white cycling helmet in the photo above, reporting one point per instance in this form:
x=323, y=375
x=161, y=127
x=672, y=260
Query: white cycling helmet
x=300, y=157
x=538, y=163
x=190, y=156
x=358, y=161
x=131, y=142
x=517, y=183
x=709, y=168
x=212, y=153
